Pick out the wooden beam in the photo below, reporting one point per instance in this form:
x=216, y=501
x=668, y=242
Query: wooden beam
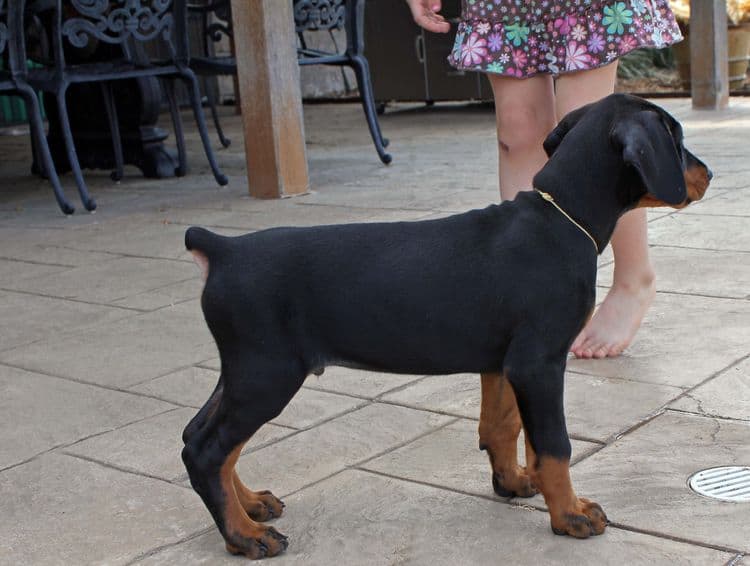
x=270, y=98
x=708, y=54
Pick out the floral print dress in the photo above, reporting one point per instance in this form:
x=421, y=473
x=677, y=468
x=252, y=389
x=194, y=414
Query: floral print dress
x=520, y=39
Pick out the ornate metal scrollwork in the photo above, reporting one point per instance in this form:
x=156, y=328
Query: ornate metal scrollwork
x=115, y=21
x=222, y=24
x=319, y=14
x=3, y=27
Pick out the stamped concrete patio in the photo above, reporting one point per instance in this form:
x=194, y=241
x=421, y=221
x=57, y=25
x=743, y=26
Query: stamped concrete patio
x=104, y=357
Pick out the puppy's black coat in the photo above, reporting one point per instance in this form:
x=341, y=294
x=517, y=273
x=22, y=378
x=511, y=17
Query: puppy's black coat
x=503, y=290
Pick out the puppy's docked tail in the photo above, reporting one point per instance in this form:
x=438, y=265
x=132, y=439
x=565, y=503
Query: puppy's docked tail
x=205, y=247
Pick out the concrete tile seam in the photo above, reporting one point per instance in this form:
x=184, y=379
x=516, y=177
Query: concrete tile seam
x=158, y=549
x=588, y=453
x=703, y=295
x=352, y=395
x=171, y=371
x=361, y=462
x=126, y=470
x=417, y=408
x=32, y=262
x=71, y=299
x=375, y=398
x=124, y=254
x=460, y=416
x=157, y=288
x=115, y=429
x=293, y=432
x=704, y=414
x=657, y=534
x=650, y=417
x=719, y=419
x=510, y=501
x=365, y=403
x=726, y=250
x=714, y=214
x=72, y=331
x=204, y=364
x=405, y=443
x=99, y=385
x=523, y=505
x=418, y=379
x=711, y=377
x=736, y=560
x=63, y=445
x=177, y=304
x=685, y=389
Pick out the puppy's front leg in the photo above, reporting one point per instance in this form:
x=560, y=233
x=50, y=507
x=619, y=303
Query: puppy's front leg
x=538, y=387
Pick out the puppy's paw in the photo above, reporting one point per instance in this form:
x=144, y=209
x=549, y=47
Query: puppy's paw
x=513, y=484
x=268, y=542
x=584, y=520
x=264, y=506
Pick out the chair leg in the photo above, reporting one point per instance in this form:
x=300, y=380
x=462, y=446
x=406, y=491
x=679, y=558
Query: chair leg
x=114, y=128
x=195, y=99
x=88, y=202
x=179, y=134
x=362, y=71
x=39, y=141
x=225, y=141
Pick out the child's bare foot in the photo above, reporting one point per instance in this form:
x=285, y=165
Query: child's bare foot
x=616, y=321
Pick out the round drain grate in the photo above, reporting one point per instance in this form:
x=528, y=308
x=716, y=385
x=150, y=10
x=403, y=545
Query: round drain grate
x=727, y=483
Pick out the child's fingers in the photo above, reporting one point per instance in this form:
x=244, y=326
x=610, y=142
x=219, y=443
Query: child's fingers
x=433, y=22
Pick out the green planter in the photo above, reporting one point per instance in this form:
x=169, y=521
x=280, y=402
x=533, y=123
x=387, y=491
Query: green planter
x=13, y=109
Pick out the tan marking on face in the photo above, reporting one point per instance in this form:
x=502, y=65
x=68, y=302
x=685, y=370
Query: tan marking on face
x=696, y=183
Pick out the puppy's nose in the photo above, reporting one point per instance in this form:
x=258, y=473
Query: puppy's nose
x=709, y=173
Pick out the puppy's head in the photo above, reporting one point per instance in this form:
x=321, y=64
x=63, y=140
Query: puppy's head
x=650, y=142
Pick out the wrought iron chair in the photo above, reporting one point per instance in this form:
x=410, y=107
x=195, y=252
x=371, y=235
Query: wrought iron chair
x=315, y=15
x=13, y=81
x=309, y=15
x=214, y=19
x=129, y=24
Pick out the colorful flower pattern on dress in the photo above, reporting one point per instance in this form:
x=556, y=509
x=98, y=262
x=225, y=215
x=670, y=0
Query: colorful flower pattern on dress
x=520, y=39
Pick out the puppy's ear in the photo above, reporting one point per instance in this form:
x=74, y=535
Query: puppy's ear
x=563, y=127
x=648, y=147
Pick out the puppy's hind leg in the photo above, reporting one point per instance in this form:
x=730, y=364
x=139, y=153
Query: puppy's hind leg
x=499, y=427
x=205, y=412
x=250, y=398
x=259, y=505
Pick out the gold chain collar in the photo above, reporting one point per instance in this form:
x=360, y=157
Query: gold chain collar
x=548, y=197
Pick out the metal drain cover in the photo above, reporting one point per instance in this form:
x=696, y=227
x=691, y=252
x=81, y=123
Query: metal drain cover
x=727, y=483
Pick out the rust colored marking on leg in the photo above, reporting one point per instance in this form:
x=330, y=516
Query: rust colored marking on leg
x=242, y=534
x=570, y=515
x=499, y=427
x=259, y=505
x=531, y=462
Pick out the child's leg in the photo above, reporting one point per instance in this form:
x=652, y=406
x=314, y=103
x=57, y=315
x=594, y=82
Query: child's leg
x=618, y=318
x=525, y=114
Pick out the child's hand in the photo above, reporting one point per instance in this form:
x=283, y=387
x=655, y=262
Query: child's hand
x=426, y=15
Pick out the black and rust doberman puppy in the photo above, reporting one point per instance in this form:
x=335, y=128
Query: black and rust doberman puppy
x=501, y=291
